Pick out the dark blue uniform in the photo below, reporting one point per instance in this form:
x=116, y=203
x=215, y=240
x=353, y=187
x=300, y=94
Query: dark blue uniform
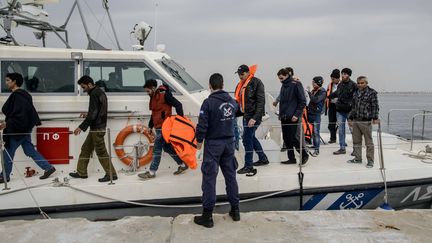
x=216, y=127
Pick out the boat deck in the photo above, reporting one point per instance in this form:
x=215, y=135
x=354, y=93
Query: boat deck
x=326, y=170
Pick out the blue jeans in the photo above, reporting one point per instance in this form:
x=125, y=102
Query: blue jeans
x=160, y=144
x=315, y=119
x=29, y=150
x=251, y=143
x=341, y=121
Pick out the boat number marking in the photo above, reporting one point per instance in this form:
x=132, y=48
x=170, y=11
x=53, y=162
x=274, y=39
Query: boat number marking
x=415, y=194
x=353, y=200
x=55, y=136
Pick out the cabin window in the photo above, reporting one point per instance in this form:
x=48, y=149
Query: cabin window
x=180, y=74
x=120, y=76
x=42, y=76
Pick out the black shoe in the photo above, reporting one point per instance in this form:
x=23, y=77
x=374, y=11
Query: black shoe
x=180, y=170
x=76, y=175
x=249, y=171
x=283, y=149
x=315, y=153
x=2, y=180
x=340, y=151
x=261, y=162
x=331, y=141
x=206, y=219
x=305, y=160
x=370, y=164
x=355, y=161
x=235, y=213
x=47, y=173
x=107, y=178
x=289, y=162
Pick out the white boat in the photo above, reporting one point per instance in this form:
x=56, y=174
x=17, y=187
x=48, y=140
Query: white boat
x=403, y=181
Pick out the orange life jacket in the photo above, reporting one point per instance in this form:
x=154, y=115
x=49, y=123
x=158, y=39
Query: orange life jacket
x=160, y=109
x=307, y=126
x=327, y=101
x=179, y=131
x=241, y=87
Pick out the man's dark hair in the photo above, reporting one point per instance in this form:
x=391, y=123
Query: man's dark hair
x=85, y=80
x=150, y=83
x=283, y=72
x=18, y=78
x=290, y=70
x=216, y=81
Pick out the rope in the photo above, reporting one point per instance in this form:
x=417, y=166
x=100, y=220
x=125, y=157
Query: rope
x=170, y=206
x=44, y=215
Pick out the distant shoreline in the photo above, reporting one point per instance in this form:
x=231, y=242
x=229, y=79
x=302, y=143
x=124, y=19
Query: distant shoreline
x=405, y=92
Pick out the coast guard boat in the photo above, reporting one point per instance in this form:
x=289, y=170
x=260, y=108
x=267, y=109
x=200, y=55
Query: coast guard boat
x=402, y=176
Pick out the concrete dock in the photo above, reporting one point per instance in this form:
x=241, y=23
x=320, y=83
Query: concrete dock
x=292, y=226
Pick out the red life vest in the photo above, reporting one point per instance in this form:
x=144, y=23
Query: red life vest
x=160, y=109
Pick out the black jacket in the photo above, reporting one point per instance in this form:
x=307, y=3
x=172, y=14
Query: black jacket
x=98, y=110
x=317, y=99
x=21, y=115
x=217, y=117
x=292, y=99
x=254, y=100
x=344, y=93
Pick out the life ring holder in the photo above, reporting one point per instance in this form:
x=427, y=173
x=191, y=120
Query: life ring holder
x=121, y=137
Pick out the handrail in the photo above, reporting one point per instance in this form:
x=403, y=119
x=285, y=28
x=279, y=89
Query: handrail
x=424, y=114
x=391, y=110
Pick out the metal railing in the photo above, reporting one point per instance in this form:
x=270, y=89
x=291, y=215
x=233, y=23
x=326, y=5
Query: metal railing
x=423, y=112
x=424, y=115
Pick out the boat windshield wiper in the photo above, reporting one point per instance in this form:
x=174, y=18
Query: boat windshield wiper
x=173, y=72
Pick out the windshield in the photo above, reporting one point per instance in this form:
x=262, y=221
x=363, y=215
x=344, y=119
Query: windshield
x=180, y=74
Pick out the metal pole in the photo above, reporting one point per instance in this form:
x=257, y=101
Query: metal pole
x=388, y=121
x=2, y=148
x=85, y=25
x=412, y=133
x=110, y=156
x=300, y=174
x=136, y=159
x=382, y=166
x=105, y=2
x=424, y=119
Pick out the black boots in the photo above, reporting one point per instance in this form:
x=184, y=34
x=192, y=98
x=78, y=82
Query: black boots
x=206, y=219
x=235, y=213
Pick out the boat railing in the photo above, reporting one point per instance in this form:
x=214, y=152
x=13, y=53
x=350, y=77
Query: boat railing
x=393, y=110
x=423, y=115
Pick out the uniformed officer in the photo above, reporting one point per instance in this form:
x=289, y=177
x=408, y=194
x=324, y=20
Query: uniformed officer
x=216, y=127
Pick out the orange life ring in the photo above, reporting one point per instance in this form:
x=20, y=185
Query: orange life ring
x=121, y=137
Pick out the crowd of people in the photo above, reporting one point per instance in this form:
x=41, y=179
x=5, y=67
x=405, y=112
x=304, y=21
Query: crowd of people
x=343, y=101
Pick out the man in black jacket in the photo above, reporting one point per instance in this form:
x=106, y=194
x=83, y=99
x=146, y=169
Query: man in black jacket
x=21, y=117
x=250, y=95
x=330, y=108
x=216, y=127
x=344, y=94
x=292, y=103
x=96, y=119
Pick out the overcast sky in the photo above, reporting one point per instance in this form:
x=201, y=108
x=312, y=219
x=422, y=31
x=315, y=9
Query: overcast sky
x=390, y=41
